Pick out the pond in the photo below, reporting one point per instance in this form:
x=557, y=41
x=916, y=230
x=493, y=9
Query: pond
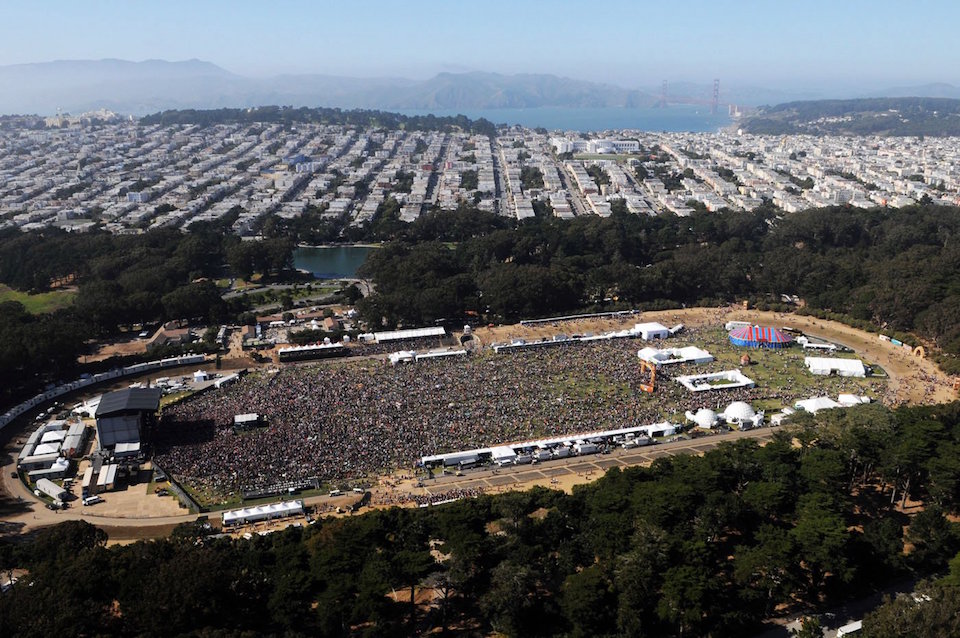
x=330, y=262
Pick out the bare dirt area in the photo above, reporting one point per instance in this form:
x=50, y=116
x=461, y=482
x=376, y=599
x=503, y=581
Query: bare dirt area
x=120, y=535
x=117, y=349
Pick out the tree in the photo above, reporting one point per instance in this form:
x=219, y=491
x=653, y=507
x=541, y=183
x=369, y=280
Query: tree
x=810, y=627
x=200, y=300
x=588, y=602
x=932, y=611
x=769, y=566
x=509, y=600
x=933, y=537
x=822, y=538
x=684, y=598
x=638, y=577
x=531, y=178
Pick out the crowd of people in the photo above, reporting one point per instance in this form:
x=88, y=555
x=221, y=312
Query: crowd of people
x=423, y=500
x=347, y=420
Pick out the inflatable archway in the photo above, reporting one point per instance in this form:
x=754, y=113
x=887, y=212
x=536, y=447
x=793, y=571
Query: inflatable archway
x=646, y=366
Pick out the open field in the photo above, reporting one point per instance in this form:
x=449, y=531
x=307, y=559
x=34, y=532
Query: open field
x=131, y=345
x=40, y=303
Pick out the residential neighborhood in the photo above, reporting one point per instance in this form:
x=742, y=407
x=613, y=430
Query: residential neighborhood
x=101, y=170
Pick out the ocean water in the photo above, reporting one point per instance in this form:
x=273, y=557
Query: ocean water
x=330, y=262
x=673, y=119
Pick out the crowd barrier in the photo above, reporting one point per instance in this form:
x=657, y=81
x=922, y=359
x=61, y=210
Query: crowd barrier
x=7, y=417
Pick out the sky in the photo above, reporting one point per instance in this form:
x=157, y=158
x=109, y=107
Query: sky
x=775, y=43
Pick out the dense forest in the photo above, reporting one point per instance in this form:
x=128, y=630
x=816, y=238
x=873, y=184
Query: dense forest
x=896, y=269
x=121, y=281
x=894, y=116
x=689, y=546
x=361, y=118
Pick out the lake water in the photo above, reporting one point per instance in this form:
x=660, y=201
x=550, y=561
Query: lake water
x=330, y=262
x=675, y=118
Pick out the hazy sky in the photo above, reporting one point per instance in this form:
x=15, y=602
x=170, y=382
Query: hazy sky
x=795, y=44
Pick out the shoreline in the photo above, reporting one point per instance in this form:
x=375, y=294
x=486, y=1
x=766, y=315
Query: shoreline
x=343, y=245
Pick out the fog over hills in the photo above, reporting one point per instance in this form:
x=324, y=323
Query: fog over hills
x=139, y=88
x=145, y=87
x=936, y=89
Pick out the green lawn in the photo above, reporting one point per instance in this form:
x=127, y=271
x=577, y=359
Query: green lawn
x=39, y=304
x=575, y=387
x=774, y=369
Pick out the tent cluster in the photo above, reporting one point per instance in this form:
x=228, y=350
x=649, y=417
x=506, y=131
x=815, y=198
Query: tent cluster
x=738, y=413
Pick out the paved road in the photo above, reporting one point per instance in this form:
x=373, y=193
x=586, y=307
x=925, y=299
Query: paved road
x=519, y=476
x=579, y=205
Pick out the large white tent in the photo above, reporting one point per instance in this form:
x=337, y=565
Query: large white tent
x=652, y=330
x=816, y=404
x=245, y=515
x=832, y=365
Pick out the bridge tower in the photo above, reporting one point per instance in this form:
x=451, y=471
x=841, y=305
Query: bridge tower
x=715, y=102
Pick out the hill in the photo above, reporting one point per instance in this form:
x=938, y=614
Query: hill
x=897, y=116
x=129, y=87
x=144, y=87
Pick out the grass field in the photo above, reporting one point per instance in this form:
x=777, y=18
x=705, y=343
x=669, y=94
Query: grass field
x=773, y=370
x=39, y=304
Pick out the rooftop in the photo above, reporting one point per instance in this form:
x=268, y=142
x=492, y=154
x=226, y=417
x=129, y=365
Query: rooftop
x=129, y=400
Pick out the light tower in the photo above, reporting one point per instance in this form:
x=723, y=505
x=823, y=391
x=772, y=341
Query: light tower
x=715, y=102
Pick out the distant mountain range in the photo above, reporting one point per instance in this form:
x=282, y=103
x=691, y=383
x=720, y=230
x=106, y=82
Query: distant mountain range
x=937, y=89
x=139, y=88
x=145, y=87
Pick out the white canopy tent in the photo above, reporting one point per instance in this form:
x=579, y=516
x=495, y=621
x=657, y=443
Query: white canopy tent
x=245, y=515
x=832, y=365
x=816, y=404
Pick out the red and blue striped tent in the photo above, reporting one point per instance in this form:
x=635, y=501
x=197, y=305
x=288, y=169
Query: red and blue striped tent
x=760, y=337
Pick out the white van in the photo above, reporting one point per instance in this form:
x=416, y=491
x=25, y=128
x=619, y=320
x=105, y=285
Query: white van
x=92, y=500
